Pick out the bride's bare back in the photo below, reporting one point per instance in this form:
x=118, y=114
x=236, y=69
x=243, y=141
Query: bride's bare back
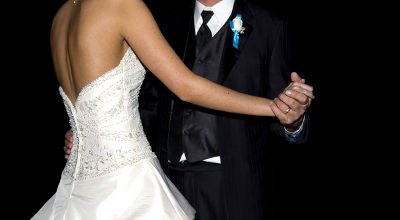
x=85, y=44
x=91, y=37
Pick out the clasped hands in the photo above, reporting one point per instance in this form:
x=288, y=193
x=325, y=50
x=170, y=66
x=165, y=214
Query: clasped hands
x=290, y=105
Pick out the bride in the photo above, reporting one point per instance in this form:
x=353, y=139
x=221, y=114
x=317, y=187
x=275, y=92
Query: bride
x=98, y=48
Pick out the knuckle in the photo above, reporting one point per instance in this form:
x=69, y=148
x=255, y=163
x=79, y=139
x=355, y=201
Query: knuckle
x=279, y=103
x=297, y=88
x=299, y=114
x=303, y=99
x=291, y=102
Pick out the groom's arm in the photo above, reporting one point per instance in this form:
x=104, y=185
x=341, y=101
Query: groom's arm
x=279, y=69
x=148, y=106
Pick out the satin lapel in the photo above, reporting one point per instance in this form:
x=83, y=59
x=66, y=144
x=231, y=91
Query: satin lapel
x=231, y=54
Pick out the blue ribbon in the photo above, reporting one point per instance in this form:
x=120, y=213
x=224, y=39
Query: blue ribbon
x=235, y=33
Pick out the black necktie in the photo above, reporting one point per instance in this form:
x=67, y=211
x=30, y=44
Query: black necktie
x=204, y=33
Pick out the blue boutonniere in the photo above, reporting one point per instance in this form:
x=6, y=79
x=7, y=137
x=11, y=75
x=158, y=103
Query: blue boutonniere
x=237, y=28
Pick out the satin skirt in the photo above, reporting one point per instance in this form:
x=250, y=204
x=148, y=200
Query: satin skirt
x=138, y=191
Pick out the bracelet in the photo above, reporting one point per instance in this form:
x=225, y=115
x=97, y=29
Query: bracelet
x=293, y=133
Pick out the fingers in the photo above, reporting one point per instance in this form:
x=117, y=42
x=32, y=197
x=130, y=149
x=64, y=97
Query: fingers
x=282, y=106
x=287, y=109
x=294, y=101
x=295, y=88
x=299, y=91
x=68, y=143
x=67, y=152
x=69, y=138
x=299, y=85
x=295, y=77
x=301, y=97
x=279, y=113
x=69, y=135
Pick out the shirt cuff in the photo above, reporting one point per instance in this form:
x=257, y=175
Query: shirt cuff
x=292, y=135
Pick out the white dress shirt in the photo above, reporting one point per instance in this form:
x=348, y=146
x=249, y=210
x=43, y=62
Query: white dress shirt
x=222, y=11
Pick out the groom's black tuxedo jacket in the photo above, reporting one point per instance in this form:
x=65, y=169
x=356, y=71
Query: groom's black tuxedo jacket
x=260, y=67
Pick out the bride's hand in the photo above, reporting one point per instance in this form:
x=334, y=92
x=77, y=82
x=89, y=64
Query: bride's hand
x=290, y=106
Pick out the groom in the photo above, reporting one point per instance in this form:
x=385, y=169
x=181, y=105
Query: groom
x=216, y=159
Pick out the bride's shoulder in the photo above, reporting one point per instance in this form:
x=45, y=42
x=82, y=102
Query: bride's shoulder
x=98, y=9
x=62, y=16
x=110, y=7
x=111, y=3
x=63, y=11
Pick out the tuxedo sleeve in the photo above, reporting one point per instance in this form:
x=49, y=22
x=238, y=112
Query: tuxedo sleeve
x=148, y=107
x=279, y=69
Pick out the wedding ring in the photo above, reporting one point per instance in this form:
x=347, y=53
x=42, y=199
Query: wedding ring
x=287, y=110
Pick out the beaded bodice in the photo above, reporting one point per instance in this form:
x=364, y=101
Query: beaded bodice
x=105, y=121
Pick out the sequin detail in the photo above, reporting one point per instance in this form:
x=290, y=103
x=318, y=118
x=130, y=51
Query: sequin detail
x=105, y=121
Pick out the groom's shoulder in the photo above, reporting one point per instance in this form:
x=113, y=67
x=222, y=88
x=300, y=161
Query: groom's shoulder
x=265, y=13
x=177, y=15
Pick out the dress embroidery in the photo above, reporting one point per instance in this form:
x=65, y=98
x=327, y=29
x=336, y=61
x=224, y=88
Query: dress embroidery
x=106, y=136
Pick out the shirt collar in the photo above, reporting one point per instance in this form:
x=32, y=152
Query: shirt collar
x=222, y=11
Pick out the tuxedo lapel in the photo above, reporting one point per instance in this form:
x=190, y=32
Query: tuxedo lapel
x=232, y=54
x=184, y=39
x=189, y=51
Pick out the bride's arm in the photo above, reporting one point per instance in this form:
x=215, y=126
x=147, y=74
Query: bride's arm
x=141, y=32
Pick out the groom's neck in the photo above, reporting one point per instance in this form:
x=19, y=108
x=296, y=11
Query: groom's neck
x=209, y=3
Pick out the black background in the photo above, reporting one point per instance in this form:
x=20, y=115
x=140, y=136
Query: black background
x=318, y=180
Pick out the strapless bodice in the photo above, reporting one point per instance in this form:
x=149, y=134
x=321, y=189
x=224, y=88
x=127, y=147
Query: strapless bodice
x=105, y=121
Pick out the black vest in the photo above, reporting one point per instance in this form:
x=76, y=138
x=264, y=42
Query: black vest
x=193, y=128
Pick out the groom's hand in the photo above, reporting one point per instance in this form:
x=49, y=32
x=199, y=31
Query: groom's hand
x=69, y=142
x=290, y=106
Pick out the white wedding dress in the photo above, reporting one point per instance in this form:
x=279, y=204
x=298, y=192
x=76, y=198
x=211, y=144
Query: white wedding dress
x=111, y=173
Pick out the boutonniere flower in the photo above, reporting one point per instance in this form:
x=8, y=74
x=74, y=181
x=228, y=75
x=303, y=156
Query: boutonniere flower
x=237, y=28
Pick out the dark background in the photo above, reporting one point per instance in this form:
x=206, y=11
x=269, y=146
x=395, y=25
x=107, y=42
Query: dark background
x=318, y=180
